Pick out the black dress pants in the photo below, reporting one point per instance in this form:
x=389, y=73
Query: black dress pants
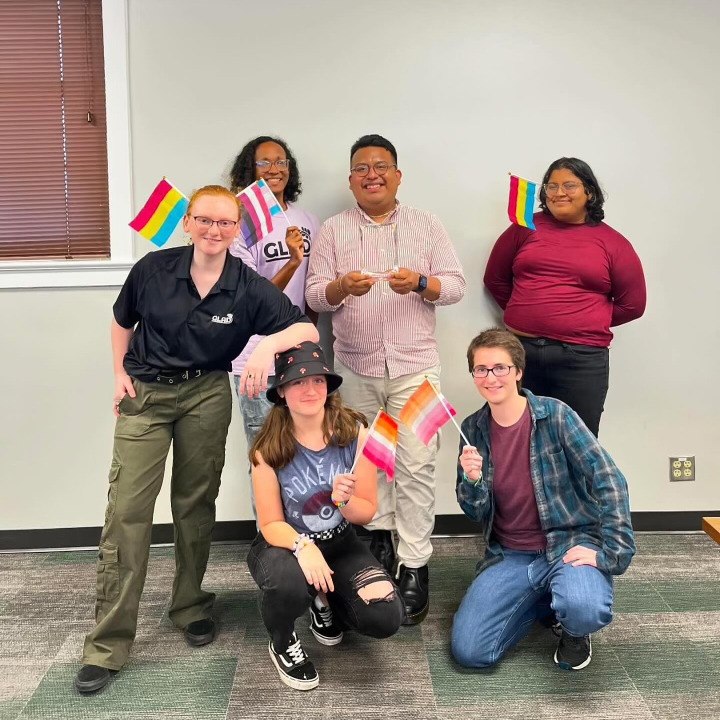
x=576, y=374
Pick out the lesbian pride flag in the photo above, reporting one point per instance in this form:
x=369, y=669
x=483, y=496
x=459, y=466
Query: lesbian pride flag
x=521, y=204
x=259, y=209
x=381, y=444
x=426, y=411
x=161, y=213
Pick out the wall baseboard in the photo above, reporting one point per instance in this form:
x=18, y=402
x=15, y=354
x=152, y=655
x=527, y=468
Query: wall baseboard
x=235, y=530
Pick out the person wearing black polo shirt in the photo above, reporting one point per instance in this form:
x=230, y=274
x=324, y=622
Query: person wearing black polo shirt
x=180, y=319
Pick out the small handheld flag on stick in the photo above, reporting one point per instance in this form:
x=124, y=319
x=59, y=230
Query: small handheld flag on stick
x=259, y=209
x=521, y=203
x=161, y=213
x=426, y=411
x=381, y=444
x=450, y=411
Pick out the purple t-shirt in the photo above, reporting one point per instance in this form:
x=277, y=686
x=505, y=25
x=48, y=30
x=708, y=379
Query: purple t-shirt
x=268, y=257
x=516, y=525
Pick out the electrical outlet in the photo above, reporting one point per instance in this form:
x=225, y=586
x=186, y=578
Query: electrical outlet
x=682, y=468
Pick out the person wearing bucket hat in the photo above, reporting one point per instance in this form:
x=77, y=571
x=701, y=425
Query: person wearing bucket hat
x=311, y=484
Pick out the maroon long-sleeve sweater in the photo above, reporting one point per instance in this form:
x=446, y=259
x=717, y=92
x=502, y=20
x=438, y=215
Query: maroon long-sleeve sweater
x=566, y=282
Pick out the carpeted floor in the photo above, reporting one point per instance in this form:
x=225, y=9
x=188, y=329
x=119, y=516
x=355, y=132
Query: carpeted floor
x=660, y=658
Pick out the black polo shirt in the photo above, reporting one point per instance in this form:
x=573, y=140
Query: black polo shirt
x=176, y=330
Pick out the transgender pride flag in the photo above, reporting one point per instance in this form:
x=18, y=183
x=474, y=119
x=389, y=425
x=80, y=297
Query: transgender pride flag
x=426, y=411
x=260, y=209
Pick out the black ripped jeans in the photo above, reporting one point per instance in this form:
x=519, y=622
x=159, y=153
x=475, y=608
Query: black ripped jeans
x=286, y=594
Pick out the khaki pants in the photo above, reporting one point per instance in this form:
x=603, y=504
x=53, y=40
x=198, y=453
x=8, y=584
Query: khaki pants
x=407, y=504
x=194, y=416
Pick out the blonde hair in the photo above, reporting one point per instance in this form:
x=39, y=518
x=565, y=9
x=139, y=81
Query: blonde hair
x=276, y=439
x=213, y=191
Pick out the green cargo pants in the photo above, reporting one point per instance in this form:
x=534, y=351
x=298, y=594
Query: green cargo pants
x=194, y=416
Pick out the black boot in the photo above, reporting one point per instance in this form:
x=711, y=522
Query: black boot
x=200, y=632
x=414, y=589
x=381, y=547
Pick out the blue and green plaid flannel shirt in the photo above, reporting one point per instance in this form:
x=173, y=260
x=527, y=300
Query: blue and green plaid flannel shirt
x=580, y=493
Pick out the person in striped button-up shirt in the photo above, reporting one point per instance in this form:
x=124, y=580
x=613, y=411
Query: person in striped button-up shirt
x=381, y=268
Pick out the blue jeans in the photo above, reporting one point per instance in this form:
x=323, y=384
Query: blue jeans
x=505, y=600
x=254, y=411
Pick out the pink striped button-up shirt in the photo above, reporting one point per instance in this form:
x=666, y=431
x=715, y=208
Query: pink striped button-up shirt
x=383, y=328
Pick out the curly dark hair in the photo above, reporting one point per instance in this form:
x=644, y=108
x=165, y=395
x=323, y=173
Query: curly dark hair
x=583, y=172
x=242, y=172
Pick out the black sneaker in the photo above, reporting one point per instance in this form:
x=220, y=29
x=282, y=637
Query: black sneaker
x=573, y=653
x=323, y=627
x=294, y=666
x=91, y=678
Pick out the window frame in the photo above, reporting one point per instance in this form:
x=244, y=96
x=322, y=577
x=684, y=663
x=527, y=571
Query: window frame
x=114, y=270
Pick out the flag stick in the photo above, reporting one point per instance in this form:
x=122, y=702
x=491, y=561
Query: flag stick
x=367, y=437
x=442, y=400
x=165, y=177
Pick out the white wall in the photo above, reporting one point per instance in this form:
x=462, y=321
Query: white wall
x=467, y=90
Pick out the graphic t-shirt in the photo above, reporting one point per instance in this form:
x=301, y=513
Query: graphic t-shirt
x=270, y=256
x=306, y=485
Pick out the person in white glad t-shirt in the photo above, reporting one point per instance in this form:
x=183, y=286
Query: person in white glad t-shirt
x=282, y=257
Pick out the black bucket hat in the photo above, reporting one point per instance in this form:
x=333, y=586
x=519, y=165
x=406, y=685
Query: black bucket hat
x=303, y=360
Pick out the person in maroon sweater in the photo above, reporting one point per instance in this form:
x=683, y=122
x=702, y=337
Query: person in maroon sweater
x=563, y=286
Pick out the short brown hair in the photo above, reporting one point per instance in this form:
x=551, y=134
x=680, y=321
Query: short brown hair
x=498, y=338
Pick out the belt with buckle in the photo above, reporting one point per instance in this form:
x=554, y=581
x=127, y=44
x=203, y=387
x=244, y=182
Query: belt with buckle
x=169, y=377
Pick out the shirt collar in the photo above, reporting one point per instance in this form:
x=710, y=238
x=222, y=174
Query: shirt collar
x=389, y=219
x=228, y=278
x=538, y=410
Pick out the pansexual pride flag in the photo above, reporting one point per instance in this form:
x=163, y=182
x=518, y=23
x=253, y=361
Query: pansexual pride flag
x=426, y=411
x=260, y=209
x=161, y=213
x=381, y=444
x=521, y=204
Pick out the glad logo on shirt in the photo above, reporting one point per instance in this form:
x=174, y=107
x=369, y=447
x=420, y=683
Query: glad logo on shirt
x=223, y=320
x=277, y=251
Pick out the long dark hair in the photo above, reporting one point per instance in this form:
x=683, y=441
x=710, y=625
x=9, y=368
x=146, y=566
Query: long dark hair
x=276, y=439
x=242, y=172
x=584, y=173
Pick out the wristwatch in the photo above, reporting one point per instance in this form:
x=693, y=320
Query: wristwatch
x=422, y=284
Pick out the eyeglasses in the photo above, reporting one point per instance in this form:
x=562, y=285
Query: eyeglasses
x=380, y=168
x=266, y=164
x=207, y=223
x=497, y=371
x=568, y=187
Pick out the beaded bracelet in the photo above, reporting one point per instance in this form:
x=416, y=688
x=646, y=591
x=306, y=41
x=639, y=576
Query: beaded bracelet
x=343, y=294
x=301, y=542
x=338, y=503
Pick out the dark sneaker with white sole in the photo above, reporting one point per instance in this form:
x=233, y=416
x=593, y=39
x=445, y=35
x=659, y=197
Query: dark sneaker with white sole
x=573, y=653
x=295, y=668
x=323, y=626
